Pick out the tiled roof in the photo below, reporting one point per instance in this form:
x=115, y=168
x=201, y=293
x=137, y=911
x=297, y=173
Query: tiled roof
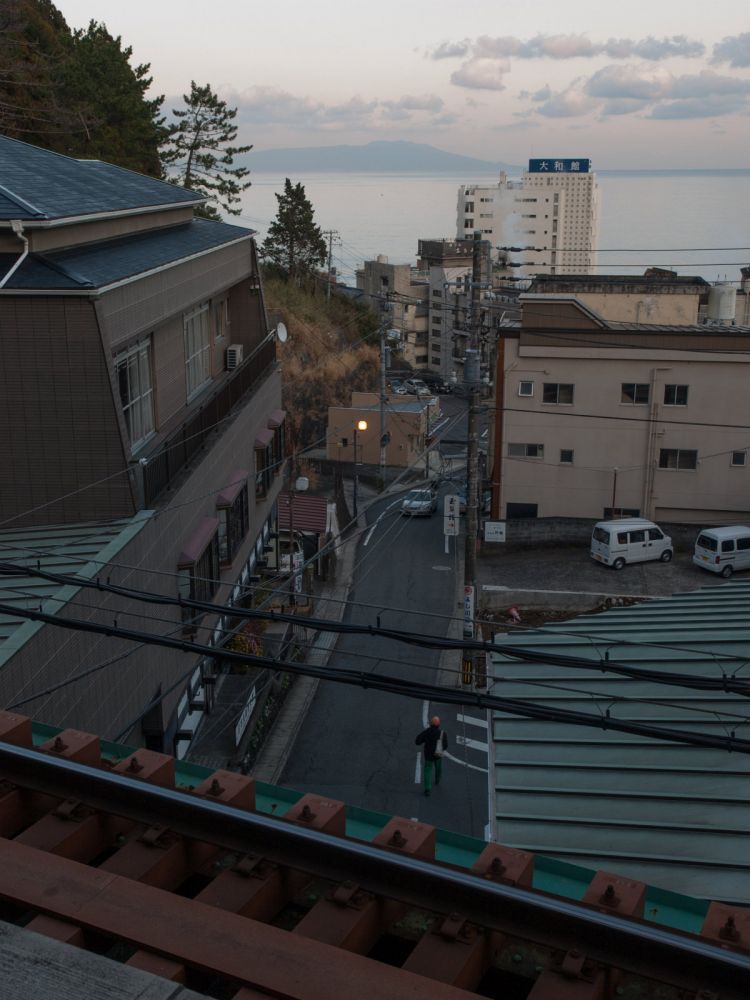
x=649, y=809
x=96, y=265
x=37, y=184
x=80, y=549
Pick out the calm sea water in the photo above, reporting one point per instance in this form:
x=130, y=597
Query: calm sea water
x=654, y=214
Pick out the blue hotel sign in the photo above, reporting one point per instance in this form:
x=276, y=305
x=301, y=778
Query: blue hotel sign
x=559, y=166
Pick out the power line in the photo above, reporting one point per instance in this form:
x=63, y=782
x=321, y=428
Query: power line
x=722, y=683
x=410, y=689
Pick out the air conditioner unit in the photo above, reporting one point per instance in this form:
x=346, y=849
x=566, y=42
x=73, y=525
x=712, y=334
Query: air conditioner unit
x=234, y=356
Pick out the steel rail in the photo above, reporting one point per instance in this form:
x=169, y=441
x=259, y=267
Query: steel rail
x=639, y=947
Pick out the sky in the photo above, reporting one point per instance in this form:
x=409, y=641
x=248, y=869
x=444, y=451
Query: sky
x=645, y=84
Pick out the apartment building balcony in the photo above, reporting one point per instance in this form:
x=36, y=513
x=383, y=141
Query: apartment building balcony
x=159, y=468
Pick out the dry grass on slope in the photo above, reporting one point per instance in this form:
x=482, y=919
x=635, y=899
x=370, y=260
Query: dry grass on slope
x=325, y=357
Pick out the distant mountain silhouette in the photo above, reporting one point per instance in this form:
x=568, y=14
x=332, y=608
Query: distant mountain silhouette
x=376, y=157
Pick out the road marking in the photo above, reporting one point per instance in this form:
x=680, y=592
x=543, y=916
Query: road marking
x=464, y=741
x=488, y=832
x=472, y=720
x=390, y=506
x=464, y=763
x=425, y=714
x=418, y=769
x=442, y=569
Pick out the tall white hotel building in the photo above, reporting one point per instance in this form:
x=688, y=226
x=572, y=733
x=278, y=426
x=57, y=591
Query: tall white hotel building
x=553, y=210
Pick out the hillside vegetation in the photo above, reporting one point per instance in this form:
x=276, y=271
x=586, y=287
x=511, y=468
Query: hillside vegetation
x=331, y=351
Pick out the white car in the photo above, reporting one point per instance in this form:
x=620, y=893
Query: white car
x=419, y=503
x=416, y=387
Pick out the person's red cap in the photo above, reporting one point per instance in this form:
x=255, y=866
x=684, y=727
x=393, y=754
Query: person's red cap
x=434, y=721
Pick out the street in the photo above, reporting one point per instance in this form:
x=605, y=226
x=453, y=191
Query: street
x=358, y=745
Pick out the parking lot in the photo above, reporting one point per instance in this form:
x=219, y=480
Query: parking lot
x=570, y=569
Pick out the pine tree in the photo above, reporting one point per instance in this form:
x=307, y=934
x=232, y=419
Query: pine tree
x=294, y=242
x=121, y=126
x=199, y=147
x=75, y=92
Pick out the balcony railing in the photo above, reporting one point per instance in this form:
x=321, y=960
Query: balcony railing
x=164, y=465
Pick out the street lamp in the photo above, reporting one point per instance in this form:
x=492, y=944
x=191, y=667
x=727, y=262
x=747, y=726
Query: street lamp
x=361, y=425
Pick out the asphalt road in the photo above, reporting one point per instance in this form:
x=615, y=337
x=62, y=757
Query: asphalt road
x=358, y=745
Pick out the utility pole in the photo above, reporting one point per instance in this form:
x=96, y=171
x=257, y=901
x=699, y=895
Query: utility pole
x=384, y=436
x=331, y=234
x=472, y=381
x=497, y=461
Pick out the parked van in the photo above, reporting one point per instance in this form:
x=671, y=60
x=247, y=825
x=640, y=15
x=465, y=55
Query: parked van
x=629, y=540
x=723, y=550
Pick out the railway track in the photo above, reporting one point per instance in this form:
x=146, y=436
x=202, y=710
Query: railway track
x=194, y=885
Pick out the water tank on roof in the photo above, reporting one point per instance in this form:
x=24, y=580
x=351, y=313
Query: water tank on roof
x=382, y=258
x=722, y=301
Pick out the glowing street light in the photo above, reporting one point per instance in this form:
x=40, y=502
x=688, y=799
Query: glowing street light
x=361, y=425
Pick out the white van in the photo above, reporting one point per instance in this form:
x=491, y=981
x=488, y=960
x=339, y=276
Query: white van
x=723, y=550
x=629, y=540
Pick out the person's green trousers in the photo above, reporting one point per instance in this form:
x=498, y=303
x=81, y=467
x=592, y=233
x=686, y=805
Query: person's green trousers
x=429, y=765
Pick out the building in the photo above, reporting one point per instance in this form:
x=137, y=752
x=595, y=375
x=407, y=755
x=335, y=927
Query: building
x=408, y=420
x=449, y=265
x=553, y=211
x=142, y=437
x=642, y=419
x=658, y=296
x=403, y=290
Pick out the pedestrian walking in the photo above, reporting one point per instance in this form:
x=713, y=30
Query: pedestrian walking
x=434, y=742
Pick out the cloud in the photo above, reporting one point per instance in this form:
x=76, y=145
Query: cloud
x=623, y=106
x=734, y=49
x=707, y=84
x=451, y=50
x=543, y=94
x=706, y=107
x=427, y=102
x=569, y=103
x=571, y=47
x=630, y=82
x=273, y=106
x=663, y=48
x=481, y=74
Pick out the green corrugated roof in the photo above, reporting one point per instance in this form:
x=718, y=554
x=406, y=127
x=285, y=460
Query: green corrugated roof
x=671, y=815
x=83, y=549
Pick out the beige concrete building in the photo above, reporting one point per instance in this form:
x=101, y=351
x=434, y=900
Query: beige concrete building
x=408, y=422
x=658, y=296
x=554, y=210
x=405, y=291
x=641, y=419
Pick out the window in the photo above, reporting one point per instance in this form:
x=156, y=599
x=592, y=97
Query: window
x=738, y=458
x=675, y=395
x=557, y=392
x=743, y=544
x=566, y=456
x=221, y=318
x=526, y=450
x=234, y=522
x=635, y=392
x=654, y=535
x=638, y=536
x=198, y=569
x=133, y=370
x=264, y=464
x=525, y=388
x=197, y=349
x=727, y=545
x=678, y=458
x=516, y=510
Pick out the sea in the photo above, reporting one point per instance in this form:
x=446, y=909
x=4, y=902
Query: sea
x=694, y=221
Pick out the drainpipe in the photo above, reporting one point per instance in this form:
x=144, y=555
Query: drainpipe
x=17, y=227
